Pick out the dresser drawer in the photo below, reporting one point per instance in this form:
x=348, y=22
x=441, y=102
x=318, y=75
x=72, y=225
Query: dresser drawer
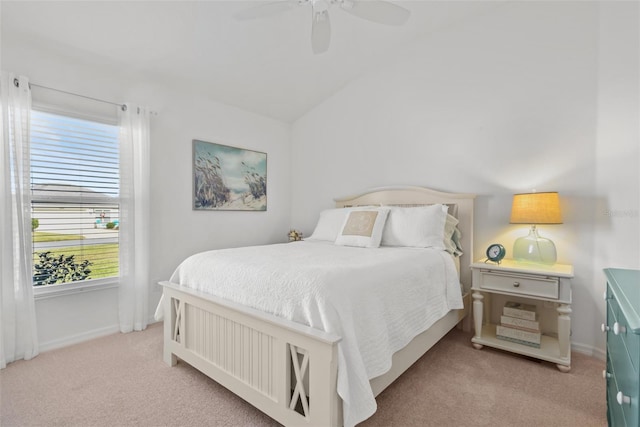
x=623, y=347
x=613, y=309
x=625, y=381
x=633, y=346
x=615, y=417
x=520, y=284
x=629, y=341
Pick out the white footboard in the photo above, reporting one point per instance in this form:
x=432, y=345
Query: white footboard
x=286, y=370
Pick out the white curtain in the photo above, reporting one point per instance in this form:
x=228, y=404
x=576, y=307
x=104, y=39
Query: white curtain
x=18, y=334
x=134, y=218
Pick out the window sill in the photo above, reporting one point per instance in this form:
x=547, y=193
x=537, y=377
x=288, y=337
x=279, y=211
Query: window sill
x=53, y=291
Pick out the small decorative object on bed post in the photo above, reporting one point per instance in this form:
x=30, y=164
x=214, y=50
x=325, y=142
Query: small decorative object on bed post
x=294, y=235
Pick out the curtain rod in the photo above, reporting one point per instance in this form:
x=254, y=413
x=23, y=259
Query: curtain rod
x=123, y=107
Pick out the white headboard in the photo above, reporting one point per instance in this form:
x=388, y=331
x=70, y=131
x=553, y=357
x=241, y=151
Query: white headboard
x=417, y=196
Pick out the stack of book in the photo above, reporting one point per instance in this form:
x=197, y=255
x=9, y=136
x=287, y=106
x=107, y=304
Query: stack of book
x=518, y=324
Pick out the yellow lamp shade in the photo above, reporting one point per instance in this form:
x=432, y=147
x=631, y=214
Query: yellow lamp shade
x=536, y=208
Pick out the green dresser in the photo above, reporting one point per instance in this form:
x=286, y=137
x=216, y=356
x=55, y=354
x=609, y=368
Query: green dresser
x=623, y=347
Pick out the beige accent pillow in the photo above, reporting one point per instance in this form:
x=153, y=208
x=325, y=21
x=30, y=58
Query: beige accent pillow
x=360, y=224
x=363, y=228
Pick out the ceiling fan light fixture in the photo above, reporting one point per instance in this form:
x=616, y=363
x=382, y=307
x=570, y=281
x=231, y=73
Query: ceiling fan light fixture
x=320, y=16
x=320, y=6
x=346, y=4
x=320, y=32
x=379, y=11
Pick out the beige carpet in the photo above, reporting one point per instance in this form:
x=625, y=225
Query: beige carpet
x=120, y=380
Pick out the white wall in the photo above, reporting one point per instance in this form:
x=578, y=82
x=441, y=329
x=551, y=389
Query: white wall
x=177, y=231
x=523, y=98
x=616, y=204
x=533, y=95
x=617, y=195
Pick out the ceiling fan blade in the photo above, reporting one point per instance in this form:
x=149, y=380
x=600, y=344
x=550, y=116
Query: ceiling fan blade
x=265, y=9
x=378, y=11
x=320, y=31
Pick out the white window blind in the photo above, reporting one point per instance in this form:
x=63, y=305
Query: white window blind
x=75, y=199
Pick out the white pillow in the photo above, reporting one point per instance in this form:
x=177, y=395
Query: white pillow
x=329, y=224
x=363, y=228
x=421, y=227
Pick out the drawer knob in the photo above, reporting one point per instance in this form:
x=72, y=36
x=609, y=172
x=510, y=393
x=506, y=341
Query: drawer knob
x=516, y=284
x=618, y=328
x=622, y=399
x=604, y=328
x=605, y=374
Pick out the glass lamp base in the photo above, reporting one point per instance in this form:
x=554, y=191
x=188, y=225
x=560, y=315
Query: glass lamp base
x=534, y=248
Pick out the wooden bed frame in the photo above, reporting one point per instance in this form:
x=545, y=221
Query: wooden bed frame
x=288, y=370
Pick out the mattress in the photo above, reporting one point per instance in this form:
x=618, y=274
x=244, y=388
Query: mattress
x=376, y=299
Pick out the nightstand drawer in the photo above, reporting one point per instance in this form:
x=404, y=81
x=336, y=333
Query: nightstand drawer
x=546, y=287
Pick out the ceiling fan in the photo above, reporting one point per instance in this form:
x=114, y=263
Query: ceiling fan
x=378, y=11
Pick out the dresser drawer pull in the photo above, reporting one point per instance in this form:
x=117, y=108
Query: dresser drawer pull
x=618, y=329
x=516, y=284
x=604, y=328
x=605, y=374
x=622, y=399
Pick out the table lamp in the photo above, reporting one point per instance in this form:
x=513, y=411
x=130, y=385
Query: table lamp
x=534, y=209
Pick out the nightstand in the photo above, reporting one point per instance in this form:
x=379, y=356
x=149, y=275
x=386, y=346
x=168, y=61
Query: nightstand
x=547, y=287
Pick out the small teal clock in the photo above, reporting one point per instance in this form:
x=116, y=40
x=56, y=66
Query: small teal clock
x=495, y=252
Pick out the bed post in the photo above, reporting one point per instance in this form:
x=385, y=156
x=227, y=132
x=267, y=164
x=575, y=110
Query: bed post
x=326, y=405
x=171, y=317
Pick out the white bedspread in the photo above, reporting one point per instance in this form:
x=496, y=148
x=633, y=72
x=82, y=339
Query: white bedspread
x=377, y=300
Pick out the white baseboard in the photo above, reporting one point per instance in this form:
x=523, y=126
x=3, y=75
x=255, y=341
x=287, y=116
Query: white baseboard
x=85, y=336
x=76, y=339
x=589, y=351
x=97, y=333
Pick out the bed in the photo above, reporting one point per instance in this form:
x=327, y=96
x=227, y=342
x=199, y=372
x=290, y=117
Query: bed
x=288, y=369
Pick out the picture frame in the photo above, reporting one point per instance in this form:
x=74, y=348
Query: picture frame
x=227, y=178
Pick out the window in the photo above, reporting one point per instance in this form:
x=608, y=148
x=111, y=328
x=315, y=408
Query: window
x=75, y=199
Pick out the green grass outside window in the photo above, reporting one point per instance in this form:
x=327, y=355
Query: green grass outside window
x=104, y=258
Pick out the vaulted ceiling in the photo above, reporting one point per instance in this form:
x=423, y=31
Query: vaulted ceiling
x=264, y=65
